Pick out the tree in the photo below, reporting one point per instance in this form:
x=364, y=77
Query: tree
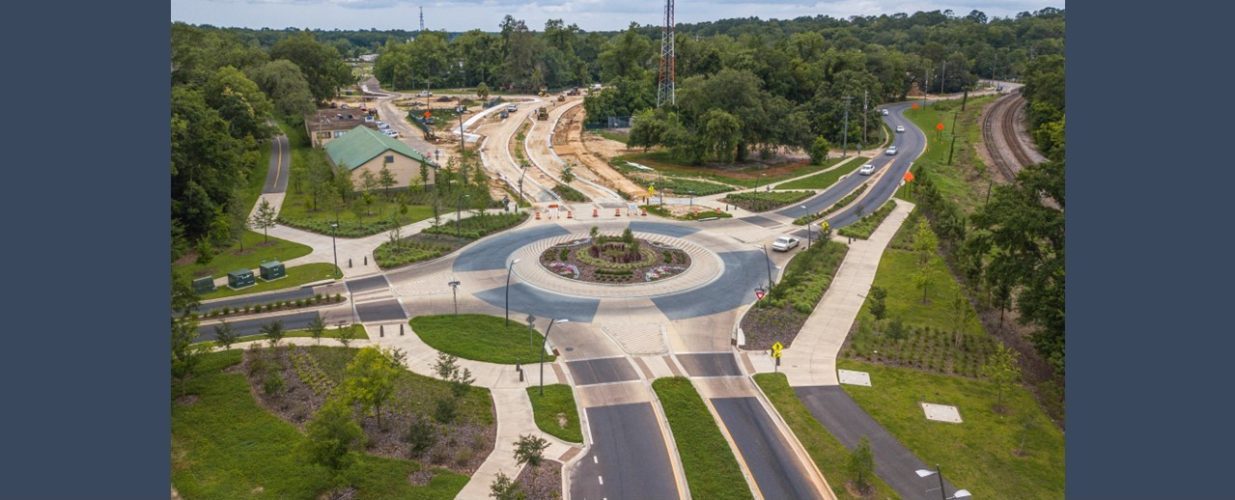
x=878, y=307
x=184, y=353
x=424, y=176
x=482, y=91
x=387, y=180
x=367, y=199
x=924, y=242
x=1003, y=370
x=317, y=328
x=332, y=436
x=322, y=66
x=503, y=488
x=896, y=328
x=922, y=280
x=287, y=88
x=239, y=101
x=224, y=335
x=819, y=150
x=446, y=366
x=370, y=380
x=568, y=173
x=421, y=435
x=530, y=449
x=273, y=332
x=264, y=218
x=344, y=334
x=861, y=465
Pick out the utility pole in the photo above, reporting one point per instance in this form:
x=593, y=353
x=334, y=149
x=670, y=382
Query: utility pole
x=845, y=138
x=864, y=113
x=943, y=76
x=926, y=83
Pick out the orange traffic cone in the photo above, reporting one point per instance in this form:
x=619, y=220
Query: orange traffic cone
x=617, y=212
x=538, y=214
x=570, y=214
x=595, y=212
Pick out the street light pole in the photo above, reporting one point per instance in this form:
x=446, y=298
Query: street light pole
x=334, y=229
x=769, y=261
x=524, y=172
x=808, y=237
x=454, y=289
x=542, y=352
x=508, y=271
x=459, y=215
x=943, y=493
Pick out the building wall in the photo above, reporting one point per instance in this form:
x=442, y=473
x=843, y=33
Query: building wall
x=406, y=171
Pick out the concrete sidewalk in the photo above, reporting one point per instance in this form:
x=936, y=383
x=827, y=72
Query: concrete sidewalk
x=811, y=358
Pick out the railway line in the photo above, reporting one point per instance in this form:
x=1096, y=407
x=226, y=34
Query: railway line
x=1006, y=148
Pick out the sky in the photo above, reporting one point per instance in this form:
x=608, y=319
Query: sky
x=591, y=15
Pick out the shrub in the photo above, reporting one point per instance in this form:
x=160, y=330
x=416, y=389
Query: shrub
x=273, y=382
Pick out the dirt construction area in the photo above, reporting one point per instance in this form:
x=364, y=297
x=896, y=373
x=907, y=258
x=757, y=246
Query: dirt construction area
x=593, y=152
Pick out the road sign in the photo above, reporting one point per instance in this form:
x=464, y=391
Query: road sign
x=939, y=126
x=427, y=114
x=908, y=176
x=776, y=349
x=651, y=190
x=759, y=293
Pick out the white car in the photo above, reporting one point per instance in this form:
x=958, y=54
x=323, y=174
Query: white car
x=785, y=243
x=867, y=169
x=512, y=108
x=391, y=133
x=885, y=112
x=891, y=151
x=900, y=129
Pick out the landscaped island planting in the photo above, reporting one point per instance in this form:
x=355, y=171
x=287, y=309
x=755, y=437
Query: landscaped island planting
x=615, y=259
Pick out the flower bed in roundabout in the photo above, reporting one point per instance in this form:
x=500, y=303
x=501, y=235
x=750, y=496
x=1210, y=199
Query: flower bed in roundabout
x=618, y=260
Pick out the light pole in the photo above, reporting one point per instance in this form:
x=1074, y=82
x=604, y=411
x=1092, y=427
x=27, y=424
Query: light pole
x=459, y=216
x=508, y=270
x=454, y=288
x=542, y=352
x=523, y=168
x=943, y=493
x=531, y=324
x=768, y=258
x=334, y=229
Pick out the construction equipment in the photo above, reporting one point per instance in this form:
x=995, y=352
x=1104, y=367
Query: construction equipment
x=574, y=91
x=542, y=114
x=561, y=97
x=543, y=92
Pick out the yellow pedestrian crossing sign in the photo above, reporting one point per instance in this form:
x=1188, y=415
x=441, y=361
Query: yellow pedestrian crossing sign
x=651, y=190
x=776, y=349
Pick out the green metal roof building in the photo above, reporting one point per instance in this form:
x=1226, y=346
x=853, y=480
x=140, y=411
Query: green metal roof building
x=363, y=148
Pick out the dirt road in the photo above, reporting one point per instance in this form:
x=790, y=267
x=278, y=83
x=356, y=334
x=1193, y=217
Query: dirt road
x=550, y=162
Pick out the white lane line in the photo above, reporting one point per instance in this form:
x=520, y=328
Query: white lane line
x=595, y=459
x=601, y=479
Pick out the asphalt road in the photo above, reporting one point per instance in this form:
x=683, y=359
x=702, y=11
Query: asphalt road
x=280, y=165
x=744, y=270
x=244, y=300
x=531, y=300
x=368, y=284
x=894, y=463
x=601, y=371
x=381, y=310
x=491, y=253
x=710, y=364
x=910, y=145
x=674, y=230
x=628, y=458
x=777, y=473
x=296, y=321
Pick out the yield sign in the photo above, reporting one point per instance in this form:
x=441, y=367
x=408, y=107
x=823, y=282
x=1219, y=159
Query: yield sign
x=759, y=293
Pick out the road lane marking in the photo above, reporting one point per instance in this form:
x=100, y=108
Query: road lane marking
x=601, y=479
x=595, y=459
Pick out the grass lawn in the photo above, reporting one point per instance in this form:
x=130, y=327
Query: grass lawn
x=904, y=300
x=480, y=337
x=296, y=276
x=358, y=332
x=828, y=453
x=750, y=174
x=225, y=446
x=966, y=180
x=863, y=228
x=612, y=135
x=1019, y=454
x=681, y=187
x=256, y=251
x=712, y=471
x=826, y=179
x=757, y=201
x=478, y=226
x=555, y=407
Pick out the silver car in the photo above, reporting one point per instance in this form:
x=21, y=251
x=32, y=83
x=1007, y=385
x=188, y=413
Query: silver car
x=867, y=169
x=785, y=243
x=900, y=129
x=891, y=151
x=885, y=112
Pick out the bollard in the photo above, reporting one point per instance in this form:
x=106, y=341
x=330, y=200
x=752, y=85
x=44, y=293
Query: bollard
x=538, y=214
x=570, y=214
x=381, y=330
x=400, y=329
x=366, y=260
x=349, y=262
x=643, y=211
x=617, y=212
x=595, y=212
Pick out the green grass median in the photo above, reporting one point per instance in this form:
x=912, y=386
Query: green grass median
x=481, y=337
x=712, y=471
x=555, y=412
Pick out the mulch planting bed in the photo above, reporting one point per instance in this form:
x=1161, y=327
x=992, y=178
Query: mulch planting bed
x=544, y=482
x=612, y=260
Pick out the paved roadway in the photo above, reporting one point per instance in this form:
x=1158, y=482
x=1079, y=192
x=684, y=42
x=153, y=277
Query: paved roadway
x=777, y=472
x=894, y=463
x=628, y=458
x=601, y=371
x=710, y=364
x=296, y=321
x=910, y=145
x=280, y=165
x=265, y=298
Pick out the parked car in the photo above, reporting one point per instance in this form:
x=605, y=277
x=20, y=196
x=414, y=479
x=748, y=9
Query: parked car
x=900, y=129
x=343, y=106
x=369, y=119
x=891, y=151
x=391, y=133
x=785, y=243
x=867, y=169
x=512, y=108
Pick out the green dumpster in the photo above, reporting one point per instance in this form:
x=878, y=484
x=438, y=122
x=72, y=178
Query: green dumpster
x=241, y=278
x=272, y=270
x=205, y=284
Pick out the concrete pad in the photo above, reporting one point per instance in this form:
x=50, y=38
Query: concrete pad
x=658, y=367
x=724, y=387
x=852, y=377
x=942, y=413
x=613, y=394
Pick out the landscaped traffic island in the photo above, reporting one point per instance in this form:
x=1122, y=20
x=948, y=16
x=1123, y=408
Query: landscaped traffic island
x=615, y=259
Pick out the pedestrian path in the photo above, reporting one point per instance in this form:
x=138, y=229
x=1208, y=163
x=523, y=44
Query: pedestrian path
x=811, y=358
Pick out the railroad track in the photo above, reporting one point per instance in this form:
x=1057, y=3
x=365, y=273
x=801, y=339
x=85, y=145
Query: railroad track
x=1010, y=156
